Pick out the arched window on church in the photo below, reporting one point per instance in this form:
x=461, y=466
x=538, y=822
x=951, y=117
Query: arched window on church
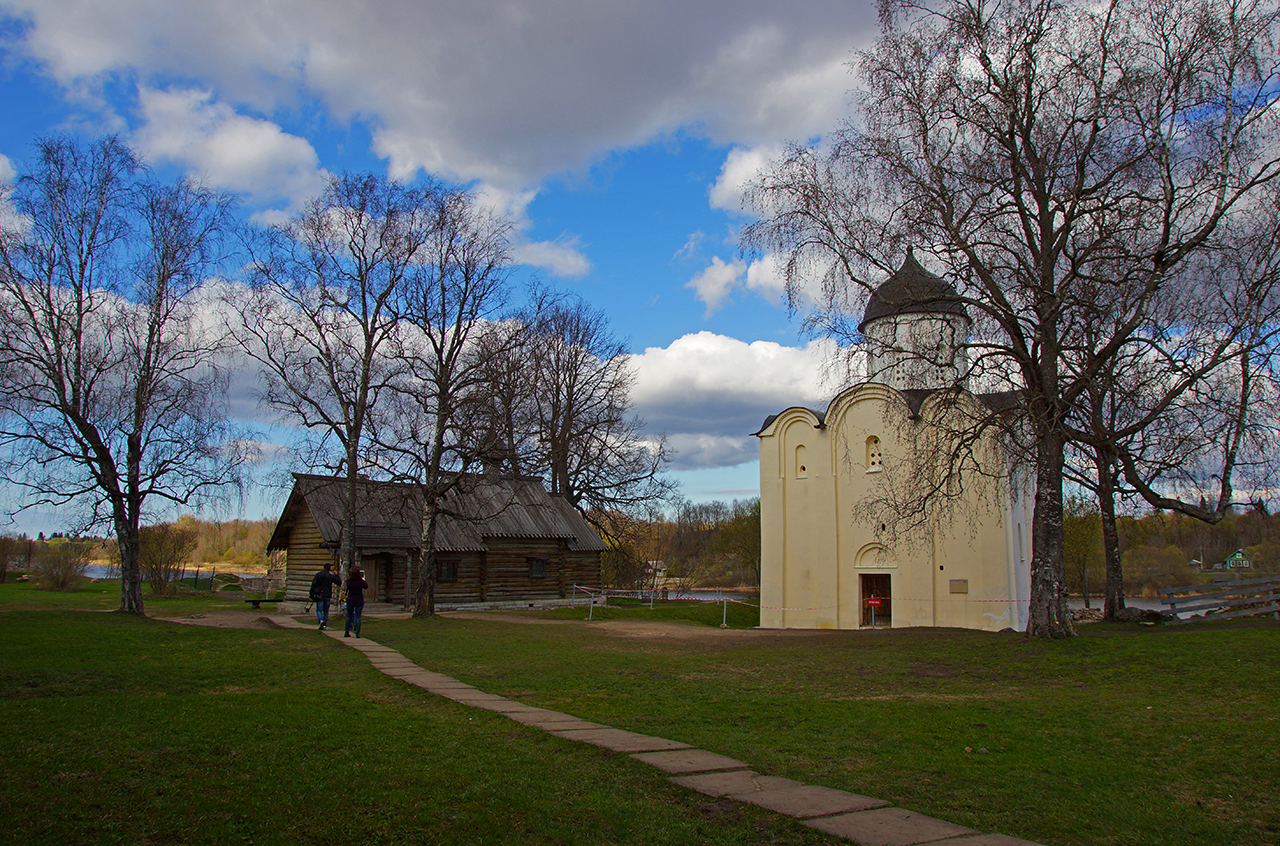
x=875, y=462
x=802, y=471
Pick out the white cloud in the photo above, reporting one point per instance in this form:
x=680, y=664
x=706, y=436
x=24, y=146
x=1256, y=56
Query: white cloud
x=766, y=276
x=740, y=167
x=714, y=284
x=9, y=218
x=504, y=93
x=710, y=392
x=691, y=246
x=562, y=258
x=230, y=151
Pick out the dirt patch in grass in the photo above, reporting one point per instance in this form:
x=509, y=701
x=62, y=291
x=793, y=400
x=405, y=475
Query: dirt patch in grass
x=225, y=620
x=651, y=629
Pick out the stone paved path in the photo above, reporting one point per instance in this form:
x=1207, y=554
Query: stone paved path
x=861, y=819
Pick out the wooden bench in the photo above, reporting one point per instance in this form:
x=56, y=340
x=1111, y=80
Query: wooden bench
x=257, y=603
x=1224, y=600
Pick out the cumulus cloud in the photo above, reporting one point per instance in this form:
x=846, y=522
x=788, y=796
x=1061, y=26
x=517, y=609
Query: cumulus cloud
x=715, y=284
x=9, y=217
x=501, y=93
x=710, y=392
x=561, y=258
x=767, y=278
x=228, y=150
x=740, y=167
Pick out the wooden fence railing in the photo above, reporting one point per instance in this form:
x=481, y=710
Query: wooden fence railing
x=1243, y=598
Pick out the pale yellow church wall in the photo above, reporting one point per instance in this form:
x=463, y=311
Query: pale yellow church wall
x=799, y=473
x=819, y=537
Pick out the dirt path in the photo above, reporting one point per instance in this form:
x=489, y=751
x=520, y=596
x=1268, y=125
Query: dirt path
x=630, y=629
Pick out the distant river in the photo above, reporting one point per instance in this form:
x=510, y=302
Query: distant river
x=98, y=571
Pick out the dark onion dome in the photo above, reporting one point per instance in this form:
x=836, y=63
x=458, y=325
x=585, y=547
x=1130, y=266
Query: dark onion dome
x=912, y=290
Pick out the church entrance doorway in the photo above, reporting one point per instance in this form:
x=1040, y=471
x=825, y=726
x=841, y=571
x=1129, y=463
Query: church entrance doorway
x=877, y=608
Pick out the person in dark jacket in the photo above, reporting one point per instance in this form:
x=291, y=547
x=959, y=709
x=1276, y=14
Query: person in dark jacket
x=355, y=600
x=322, y=585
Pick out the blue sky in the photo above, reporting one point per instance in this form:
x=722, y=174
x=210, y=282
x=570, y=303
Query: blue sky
x=615, y=134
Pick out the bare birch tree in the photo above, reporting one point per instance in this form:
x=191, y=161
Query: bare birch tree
x=322, y=320
x=1060, y=160
x=450, y=310
x=112, y=399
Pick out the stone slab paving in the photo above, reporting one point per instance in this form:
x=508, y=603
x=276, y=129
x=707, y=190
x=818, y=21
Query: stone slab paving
x=468, y=697
x=807, y=801
x=555, y=725
x=860, y=819
x=433, y=681
x=619, y=740
x=544, y=716
x=689, y=761
x=741, y=781
x=510, y=707
x=987, y=840
x=888, y=827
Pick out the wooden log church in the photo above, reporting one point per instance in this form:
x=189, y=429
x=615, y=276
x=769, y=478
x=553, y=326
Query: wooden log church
x=503, y=540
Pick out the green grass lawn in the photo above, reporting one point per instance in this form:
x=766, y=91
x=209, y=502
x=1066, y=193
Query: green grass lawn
x=104, y=595
x=126, y=730
x=1125, y=735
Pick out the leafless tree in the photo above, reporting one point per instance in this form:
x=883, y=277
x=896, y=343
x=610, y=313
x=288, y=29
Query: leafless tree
x=322, y=321
x=1060, y=160
x=451, y=310
x=112, y=398
x=61, y=566
x=1186, y=410
x=740, y=538
x=586, y=438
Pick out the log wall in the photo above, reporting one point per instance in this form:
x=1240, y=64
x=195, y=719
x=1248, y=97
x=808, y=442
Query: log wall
x=304, y=558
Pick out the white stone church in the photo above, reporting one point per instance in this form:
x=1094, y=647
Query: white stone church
x=829, y=557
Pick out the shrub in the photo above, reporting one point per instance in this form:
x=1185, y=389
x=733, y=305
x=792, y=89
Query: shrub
x=61, y=566
x=163, y=549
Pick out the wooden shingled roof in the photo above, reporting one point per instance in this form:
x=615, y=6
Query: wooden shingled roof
x=389, y=514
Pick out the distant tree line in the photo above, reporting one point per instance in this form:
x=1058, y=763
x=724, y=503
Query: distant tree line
x=1160, y=549
x=687, y=545
x=167, y=551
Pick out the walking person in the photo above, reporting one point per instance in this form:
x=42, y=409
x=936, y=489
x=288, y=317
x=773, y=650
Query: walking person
x=322, y=585
x=355, y=600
